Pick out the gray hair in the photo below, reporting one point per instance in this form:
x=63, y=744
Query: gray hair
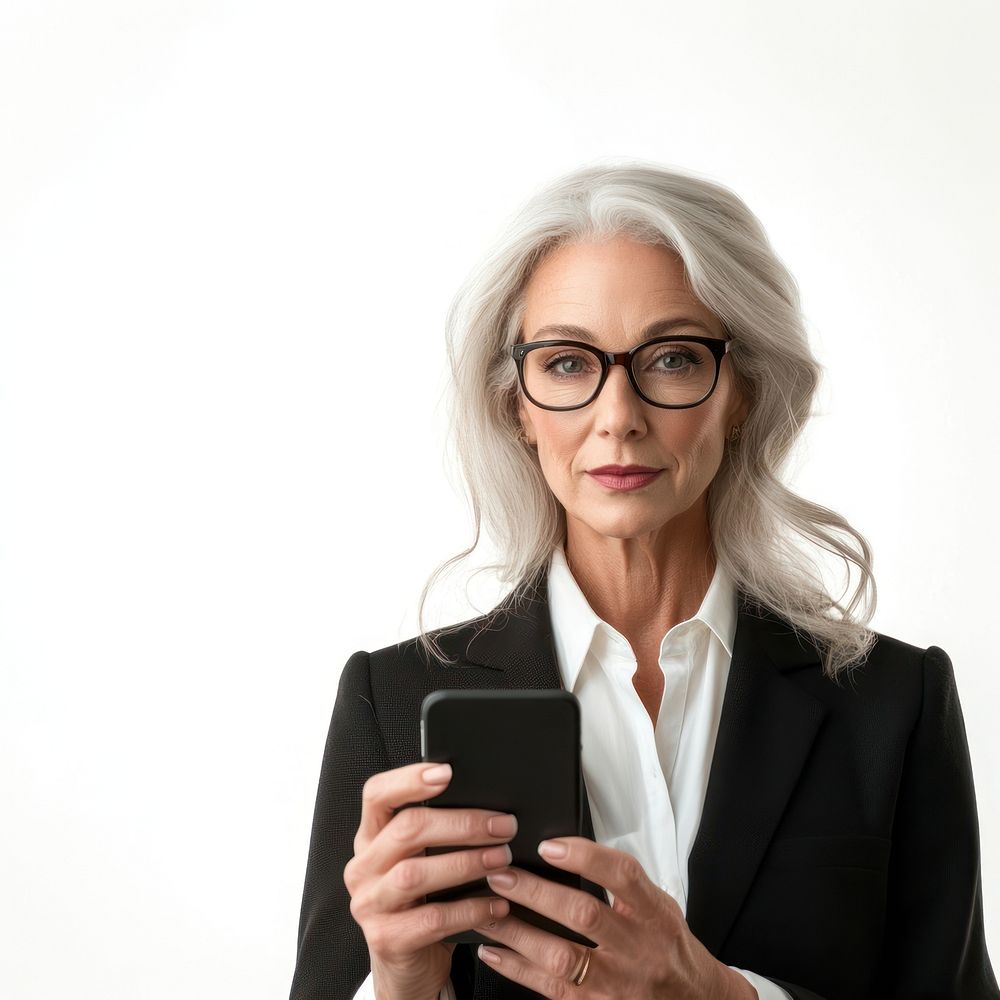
x=734, y=272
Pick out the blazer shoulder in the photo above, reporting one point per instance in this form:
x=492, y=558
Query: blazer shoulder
x=892, y=652
x=898, y=658
x=449, y=638
x=893, y=672
x=887, y=654
x=526, y=602
x=389, y=665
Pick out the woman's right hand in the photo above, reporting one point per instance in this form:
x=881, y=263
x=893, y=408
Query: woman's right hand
x=389, y=875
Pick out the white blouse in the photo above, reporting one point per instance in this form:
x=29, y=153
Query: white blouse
x=646, y=785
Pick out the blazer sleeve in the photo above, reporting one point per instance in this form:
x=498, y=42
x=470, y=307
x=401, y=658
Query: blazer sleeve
x=935, y=944
x=332, y=958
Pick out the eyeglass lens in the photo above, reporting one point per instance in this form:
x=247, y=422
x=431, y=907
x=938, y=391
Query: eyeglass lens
x=676, y=373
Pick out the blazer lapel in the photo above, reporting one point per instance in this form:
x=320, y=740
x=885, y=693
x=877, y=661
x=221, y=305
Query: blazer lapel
x=767, y=727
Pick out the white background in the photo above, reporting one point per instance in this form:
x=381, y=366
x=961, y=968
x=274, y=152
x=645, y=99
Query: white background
x=208, y=209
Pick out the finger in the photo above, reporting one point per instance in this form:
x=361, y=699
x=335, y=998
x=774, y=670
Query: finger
x=573, y=908
x=387, y=791
x=411, y=830
x=413, y=878
x=550, y=953
x=615, y=870
x=511, y=965
x=407, y=931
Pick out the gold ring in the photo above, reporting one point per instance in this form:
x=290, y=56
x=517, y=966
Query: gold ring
x=581, y=975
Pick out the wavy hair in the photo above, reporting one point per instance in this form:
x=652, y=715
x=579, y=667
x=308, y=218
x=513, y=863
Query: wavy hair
x=754, y=518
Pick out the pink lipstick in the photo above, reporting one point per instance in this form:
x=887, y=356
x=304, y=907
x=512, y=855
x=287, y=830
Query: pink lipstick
x=624, y=477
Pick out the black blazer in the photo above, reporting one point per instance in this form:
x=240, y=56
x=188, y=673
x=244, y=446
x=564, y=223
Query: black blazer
x=838, y=851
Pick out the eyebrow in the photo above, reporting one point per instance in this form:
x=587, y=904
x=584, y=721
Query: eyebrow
x=560, y=330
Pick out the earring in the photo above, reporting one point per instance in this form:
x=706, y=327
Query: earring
x=735, y=433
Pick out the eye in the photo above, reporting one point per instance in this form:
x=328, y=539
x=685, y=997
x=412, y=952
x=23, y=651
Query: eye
x=683, y=357
x=566, y=364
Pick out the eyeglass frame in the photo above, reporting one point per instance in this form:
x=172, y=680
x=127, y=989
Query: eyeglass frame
x=717, y=345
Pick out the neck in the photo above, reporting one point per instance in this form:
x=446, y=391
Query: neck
x=646, y=584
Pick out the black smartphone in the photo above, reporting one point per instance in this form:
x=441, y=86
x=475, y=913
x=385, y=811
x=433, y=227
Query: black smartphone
x=517, y=751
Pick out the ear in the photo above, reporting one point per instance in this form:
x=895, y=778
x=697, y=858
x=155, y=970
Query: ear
x=527, y=424
x=740, y=411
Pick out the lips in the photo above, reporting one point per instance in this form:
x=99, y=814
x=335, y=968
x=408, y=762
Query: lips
x=625, y=482
x=621, y=470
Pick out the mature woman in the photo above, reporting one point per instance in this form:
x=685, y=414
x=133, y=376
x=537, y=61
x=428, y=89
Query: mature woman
x=630, y=373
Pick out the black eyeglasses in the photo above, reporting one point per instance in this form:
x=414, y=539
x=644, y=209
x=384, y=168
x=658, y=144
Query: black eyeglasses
x=567, y=374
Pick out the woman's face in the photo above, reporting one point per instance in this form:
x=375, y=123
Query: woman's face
x=614, y=289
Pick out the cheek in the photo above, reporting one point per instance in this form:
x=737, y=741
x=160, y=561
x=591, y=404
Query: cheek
x=559, y=438
x=682, y=433
x=705, y=454
x=691, y=445
x=561, y=454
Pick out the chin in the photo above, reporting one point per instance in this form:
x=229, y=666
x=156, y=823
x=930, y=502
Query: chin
x=624, y=526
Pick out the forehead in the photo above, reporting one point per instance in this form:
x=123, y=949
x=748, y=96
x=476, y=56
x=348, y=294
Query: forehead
x=612, y=285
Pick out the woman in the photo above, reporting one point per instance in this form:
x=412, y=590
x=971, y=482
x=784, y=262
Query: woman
x=632, y=373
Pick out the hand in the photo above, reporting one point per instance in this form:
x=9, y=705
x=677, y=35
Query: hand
x=388, y=876
x=645, y=948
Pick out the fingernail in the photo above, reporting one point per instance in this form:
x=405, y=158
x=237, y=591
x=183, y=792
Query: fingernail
x=502, y=826
x=506, y=880
x=438, y=775
x=488, y=955
x=552, y=849
x=497, y=857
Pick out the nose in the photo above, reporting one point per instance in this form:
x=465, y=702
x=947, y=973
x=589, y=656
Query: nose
x=618, y=410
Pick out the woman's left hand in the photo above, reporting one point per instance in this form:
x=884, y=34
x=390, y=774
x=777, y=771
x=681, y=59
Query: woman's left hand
x=645, y=949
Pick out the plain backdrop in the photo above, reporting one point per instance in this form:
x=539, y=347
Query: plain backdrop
x=210, y=211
